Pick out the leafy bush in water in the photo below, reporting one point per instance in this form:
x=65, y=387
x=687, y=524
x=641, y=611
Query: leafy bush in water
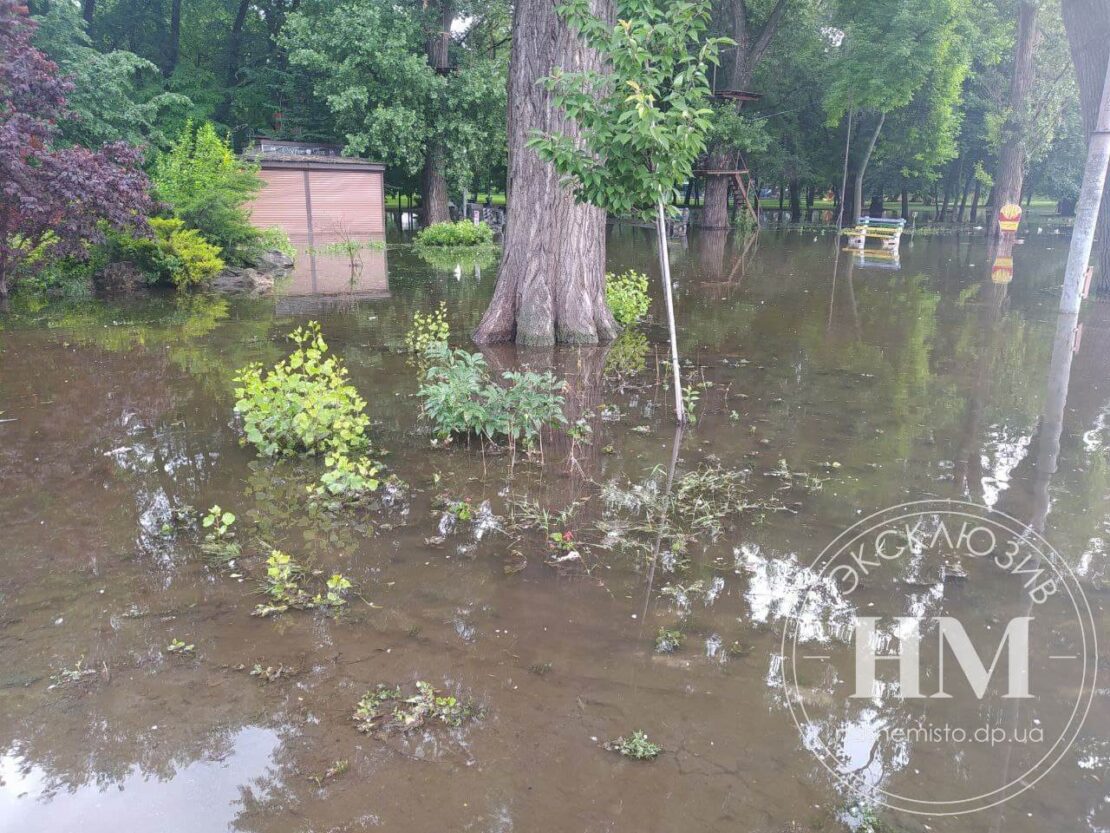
x=304, y=404
x=274, y=239
x=636, y=746
x=461, y=233
x=460, y=397
x=627, y=296
x=174, y=254
x=207, y=186
x=428, y=329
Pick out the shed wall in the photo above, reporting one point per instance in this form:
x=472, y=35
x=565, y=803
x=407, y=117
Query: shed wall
x=342, y=202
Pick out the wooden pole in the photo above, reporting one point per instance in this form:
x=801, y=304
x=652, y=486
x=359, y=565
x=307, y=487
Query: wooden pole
x=665, y=266
x=1086, y=210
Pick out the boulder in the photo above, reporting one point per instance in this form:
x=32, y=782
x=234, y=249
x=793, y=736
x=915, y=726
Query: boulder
x=256, y=279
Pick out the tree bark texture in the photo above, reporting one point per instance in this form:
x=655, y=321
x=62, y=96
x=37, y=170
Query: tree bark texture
x=857, y=195
x=1088, y=26
x=738, y=64
x=551, y=285
x=88, y=11
x=1012, y=156
x=234, y=50
x=434, y=198
x=173, y=40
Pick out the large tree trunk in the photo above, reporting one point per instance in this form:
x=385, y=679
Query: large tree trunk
x=433, y=182
x=173, y=41
x=551, y=286
x=732, y=20
x=231, y=78
x=1088, y=26
x=1011, y=158
x=857, y=195
x=433, y=186
x=88, y=11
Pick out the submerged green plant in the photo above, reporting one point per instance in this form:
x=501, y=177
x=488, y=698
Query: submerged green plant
x=627, y=296
x=387, y=708
x=668, y=640
x=305, y=404
x=70, y=676
x=283, y=584
x=428, y=329
x=219, y=541
x=460, y=398
x=178, y=646
x=334, y=594
x=636, y=746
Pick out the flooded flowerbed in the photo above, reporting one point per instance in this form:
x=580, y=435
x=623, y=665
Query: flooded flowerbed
x=520, y=616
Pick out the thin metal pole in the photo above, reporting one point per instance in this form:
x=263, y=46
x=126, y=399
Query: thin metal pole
x=844, y=179
x=1086, y=210
x=665, y=265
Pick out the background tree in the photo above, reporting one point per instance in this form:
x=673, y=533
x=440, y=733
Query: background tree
x=642, y=123
x=115, y=95
x=751, y=29
x=54, y=201
x=379, y=67
x=894, y=52
x=1010, y=173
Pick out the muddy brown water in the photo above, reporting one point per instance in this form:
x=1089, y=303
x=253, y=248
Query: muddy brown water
x=892, y=385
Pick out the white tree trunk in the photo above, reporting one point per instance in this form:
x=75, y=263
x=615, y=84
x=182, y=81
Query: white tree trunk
x=1090, y=199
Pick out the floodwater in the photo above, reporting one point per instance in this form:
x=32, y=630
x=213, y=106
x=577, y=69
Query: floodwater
x=875, y=385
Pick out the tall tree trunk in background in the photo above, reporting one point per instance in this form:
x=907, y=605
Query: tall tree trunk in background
x=795, y=201
x=975, y=200
x=433, y=181
x=88, y=11
x=905, y=203
x=234, y=50
x=738, y=64
x=1012, y=156
x=963, y=198
x=857, y=194
x=1088, y=26
x=551, y=286
x=173, y=41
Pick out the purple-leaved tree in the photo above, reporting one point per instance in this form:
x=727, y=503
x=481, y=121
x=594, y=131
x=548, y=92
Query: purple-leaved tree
x=54, y=201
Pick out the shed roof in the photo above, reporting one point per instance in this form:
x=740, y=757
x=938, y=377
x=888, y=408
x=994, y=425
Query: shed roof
x=303, y=162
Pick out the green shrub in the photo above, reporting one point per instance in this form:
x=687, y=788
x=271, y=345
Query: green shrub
x=636, y=746
x=428, y=329
x=627, y=296
x=304, y=404
x=174, y=254
x=460, y=397
x=462, y=233
x=274, y=239
x=207, y=186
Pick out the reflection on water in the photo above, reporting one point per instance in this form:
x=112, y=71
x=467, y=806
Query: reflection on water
x=335, y=265
x=871, y=386
x=203, y=794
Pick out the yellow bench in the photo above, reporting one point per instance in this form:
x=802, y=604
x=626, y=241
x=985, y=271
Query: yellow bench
x=887, y=232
